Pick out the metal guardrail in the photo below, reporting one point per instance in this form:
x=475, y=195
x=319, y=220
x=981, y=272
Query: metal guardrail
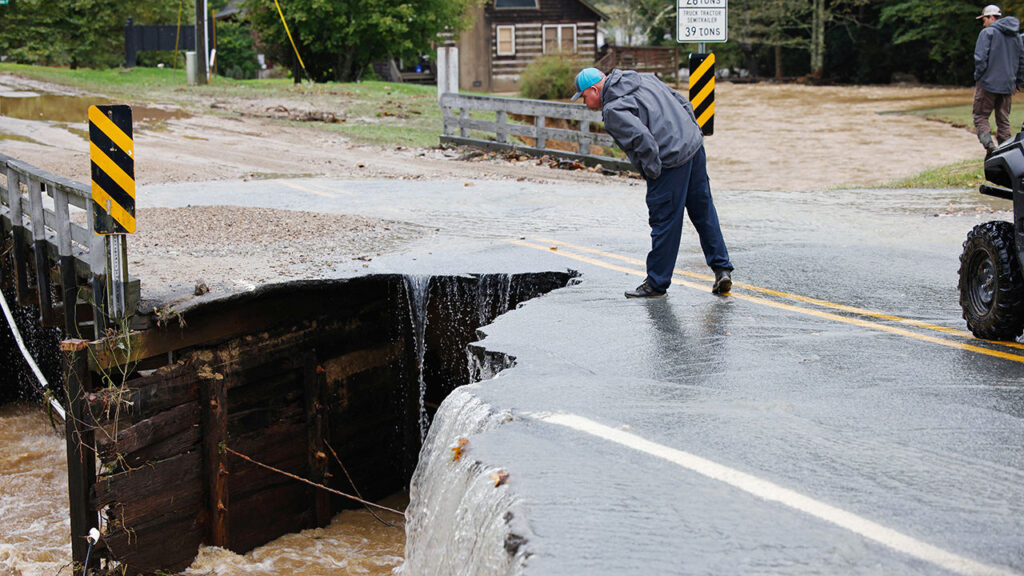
x=457, y=109
x=45, y=210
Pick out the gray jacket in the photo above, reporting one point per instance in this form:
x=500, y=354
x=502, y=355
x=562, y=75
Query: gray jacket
x=999, y=57
x=652, y=123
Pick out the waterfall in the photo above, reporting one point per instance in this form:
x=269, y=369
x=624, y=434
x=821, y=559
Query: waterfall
x=417, y=294
x=492, y=296
x=490, y=531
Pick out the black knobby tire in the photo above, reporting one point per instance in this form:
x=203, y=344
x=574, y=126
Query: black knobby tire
x=991, y=285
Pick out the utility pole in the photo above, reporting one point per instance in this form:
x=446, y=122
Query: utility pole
x=201, y=51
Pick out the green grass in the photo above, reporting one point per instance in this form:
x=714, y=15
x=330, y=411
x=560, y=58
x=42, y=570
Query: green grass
x=961, y=116
x=372, y=112
x=967, y=174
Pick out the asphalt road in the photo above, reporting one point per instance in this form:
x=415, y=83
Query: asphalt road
x=831, y=416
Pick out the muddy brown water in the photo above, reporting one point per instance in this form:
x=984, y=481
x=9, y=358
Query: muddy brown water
x=61, y=108
x=35, y=530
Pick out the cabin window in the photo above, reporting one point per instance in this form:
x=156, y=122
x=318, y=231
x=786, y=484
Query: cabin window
x=506, y=40
x=560, y=39
x=515, y=4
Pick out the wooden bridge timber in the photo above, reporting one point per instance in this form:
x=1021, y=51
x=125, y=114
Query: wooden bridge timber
x=46, y=225
x=161, y=420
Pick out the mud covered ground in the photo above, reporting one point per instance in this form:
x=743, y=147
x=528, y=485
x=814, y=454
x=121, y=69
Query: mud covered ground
x=767, y=137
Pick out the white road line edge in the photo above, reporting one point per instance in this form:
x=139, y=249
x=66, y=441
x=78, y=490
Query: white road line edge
x=775, y=493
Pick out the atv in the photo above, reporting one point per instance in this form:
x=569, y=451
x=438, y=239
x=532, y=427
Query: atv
x=991, y=280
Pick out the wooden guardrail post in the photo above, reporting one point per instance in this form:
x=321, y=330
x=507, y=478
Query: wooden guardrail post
x=68, y=279
x=463, y=125
x=501, y=118
x=213, y=394
x=81, y=444
x=584, y=134
x=315, y=389
x=18, y=231
x=97, y=269
x=39, y=248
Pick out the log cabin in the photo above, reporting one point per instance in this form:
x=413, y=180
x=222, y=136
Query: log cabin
x=509, y=34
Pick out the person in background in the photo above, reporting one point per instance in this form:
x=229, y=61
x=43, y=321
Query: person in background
x=998, y=72
x=656, y=128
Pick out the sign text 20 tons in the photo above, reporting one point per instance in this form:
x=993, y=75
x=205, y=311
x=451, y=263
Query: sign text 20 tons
x=702, y=20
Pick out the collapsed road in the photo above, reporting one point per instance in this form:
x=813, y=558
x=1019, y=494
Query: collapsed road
x=831, y=415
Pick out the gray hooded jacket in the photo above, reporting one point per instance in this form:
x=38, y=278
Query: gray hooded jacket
x=999, y=57
x=652, y=123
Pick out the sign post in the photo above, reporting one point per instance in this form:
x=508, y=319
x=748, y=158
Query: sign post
x=702, y=21
x=112, y=152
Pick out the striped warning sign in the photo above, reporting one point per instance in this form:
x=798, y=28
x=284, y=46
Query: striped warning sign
x=112, y=152
x=702, y=90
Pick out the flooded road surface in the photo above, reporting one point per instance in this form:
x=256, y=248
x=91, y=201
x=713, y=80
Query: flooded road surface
x=35, y=532
x=35, y=536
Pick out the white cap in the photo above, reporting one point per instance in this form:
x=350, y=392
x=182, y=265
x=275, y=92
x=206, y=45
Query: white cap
x=990, y=10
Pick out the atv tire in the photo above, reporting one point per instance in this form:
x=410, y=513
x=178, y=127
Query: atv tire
x=991, y=282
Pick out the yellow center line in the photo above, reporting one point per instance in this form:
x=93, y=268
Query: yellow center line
x=806, y=299
x=333, y=189
x=305, y=189
x=784, y=306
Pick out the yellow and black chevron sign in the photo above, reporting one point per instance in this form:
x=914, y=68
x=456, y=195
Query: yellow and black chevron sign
x=702, y=90
x=112, y=152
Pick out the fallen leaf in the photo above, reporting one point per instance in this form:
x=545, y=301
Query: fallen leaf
x=457, y=450
x=499, y=477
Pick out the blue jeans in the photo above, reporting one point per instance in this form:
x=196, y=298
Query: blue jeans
x=679, y=189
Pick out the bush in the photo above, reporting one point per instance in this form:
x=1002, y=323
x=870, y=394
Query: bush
x=550, y=78
x=236, y=56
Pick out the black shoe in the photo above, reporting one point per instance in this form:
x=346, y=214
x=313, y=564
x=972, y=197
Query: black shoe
x=723, y=282
x=645, y=291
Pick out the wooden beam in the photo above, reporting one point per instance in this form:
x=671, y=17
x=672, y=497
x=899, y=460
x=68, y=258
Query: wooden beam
x=315, y=387
x=207, y=329
x=80, y=440
x=214, y=401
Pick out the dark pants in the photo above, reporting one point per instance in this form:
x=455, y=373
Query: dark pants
x=984, y=104
x=679, y=189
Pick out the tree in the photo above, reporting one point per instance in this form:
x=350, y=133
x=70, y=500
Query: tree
x=338, y=39
x=640, y=22
x=919, y=23
x=824, y=12
x=778, y=24
x=74, y=33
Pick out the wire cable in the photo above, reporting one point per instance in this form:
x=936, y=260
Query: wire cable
x=288, y=32
x=353, y=484
x=28, y=357
x=313, y=484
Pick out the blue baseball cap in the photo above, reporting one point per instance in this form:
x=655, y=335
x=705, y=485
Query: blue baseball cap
x=585, y=79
